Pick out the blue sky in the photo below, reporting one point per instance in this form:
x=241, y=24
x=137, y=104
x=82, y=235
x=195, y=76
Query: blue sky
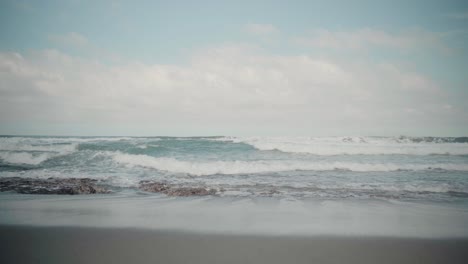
x=156, y=31
x=379, y=67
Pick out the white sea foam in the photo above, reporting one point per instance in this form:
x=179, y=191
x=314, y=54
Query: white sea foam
x=33, y=151
x=398, y=187
x=441, y=188
x=242, y=167
x=350, y=145
x=23, y=146
x=23, y=157
x=71, y=139
x=53, y=143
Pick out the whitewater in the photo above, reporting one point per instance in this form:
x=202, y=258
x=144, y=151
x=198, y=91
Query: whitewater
x=421, y=169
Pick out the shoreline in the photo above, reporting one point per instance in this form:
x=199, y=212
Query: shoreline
x=208, y=215
x=29, y=244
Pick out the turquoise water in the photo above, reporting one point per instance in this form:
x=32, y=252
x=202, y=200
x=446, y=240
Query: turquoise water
x=428, y=169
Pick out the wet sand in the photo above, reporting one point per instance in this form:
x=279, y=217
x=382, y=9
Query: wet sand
x=21, y=244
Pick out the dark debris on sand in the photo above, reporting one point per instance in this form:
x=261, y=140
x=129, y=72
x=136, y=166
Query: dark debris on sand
x=51, y=186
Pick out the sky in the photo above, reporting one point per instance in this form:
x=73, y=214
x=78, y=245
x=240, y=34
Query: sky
x=256, y=68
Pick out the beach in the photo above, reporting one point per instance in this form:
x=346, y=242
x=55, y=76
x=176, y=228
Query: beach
x=106, y=245
x=107, y=228
x=233, y=200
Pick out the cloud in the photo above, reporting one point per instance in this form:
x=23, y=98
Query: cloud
x=365, y=38
x=458, y=16
x=261, y=29
x=70, y=39
x=228, y=86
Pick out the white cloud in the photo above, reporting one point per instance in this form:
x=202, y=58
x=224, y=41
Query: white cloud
x=229, y=86
x=261, y=29
x=70, y=39
x=368, y=38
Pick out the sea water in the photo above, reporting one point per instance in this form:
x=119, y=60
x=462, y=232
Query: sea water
x=303, y=185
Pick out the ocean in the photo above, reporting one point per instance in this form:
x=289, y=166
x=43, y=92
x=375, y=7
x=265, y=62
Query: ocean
x=254, y=180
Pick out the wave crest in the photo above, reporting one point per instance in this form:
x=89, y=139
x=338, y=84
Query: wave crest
x=23, y=158
x=243, y=167
x=33, y=151
x=328, y=146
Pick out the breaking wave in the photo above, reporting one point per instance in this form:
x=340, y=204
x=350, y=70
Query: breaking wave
x=244, y=167
x=33, y=151
x=23, y=158
x=61, y=148
x=328, y=146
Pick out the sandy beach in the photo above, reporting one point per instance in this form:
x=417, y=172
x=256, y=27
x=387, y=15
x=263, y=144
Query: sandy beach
x=102, y=245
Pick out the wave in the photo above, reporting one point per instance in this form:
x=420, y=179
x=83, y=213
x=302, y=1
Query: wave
x=402, y=187
x=24, y=158
x=61, y=148
x=432, y=139
x=328, y=146
x=32, y=151
x=145, y=146
x=244, y=167
x=66, y=139
x=391, y=190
